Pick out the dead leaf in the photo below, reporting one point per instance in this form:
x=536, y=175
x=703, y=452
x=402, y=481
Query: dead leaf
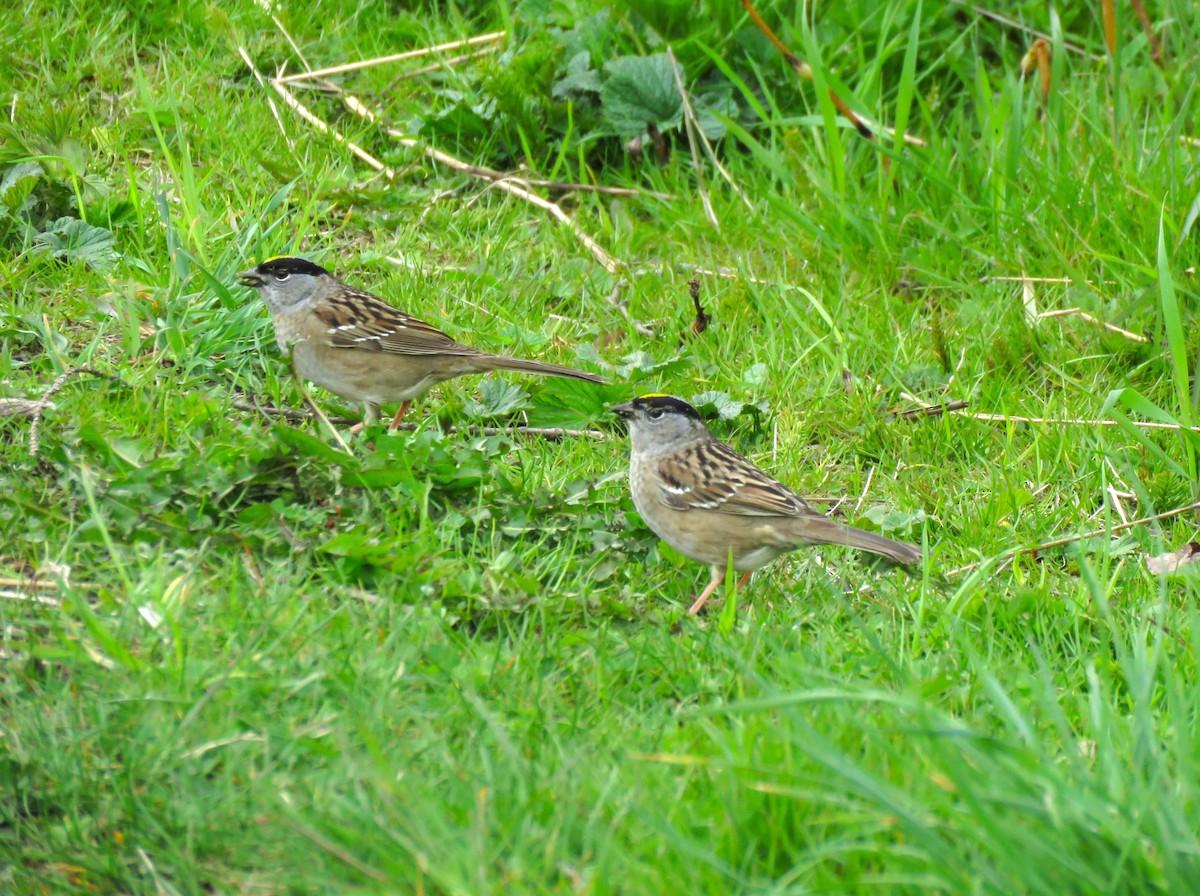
x=1039, y=57
x=1171, y=561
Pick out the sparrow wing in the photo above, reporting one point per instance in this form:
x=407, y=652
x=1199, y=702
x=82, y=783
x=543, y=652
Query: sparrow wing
x=712, y=476
x=358, y=319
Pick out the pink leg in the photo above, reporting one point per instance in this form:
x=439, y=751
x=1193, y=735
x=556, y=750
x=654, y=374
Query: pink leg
x=399, y=415
x=717, y=579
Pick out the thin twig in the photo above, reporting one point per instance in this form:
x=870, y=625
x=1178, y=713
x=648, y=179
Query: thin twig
x=955, y=407
x=1071, y=539
x=725, y=273
x=611, y=263
x=551, y=433
x=287, y=413
x=396, y=57
x=358, y=107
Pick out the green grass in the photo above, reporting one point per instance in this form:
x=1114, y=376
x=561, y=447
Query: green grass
x=460, y=664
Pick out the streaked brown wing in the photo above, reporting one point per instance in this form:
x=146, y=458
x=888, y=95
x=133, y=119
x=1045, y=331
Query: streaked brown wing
x=358, y=319
x=712, y=476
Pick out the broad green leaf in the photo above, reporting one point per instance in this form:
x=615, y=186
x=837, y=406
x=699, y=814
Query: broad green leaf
x=77, y=240
x=497, y=398
x=639, y=90
x=580, y=77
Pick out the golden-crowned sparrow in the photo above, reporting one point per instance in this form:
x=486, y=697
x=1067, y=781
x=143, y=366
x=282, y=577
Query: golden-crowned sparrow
x=358, y=346
x=709, y=503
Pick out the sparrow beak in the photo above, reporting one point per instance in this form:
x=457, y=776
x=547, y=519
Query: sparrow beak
x=623, y=410
x=251, y=278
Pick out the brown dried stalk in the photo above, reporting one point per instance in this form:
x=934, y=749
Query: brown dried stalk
x=802, y=69
x=1156, y=52
x=1110, y=26
x=1038, y=58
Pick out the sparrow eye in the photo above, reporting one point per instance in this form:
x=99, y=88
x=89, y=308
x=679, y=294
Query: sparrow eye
x=282, y=276
x=656, y=414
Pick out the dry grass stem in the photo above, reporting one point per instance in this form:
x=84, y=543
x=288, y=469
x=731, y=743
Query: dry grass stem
x=301, y=110
x=1008, y=555
x=610, y=262
x=564, y=187
x=396, y=57
x=866, y=488
x=1066, y=281
x=1080, y=313
x=270, y=102
x=689, y=114
x=725, y=273
x=437, y=66
x=956, y=408
x=692, y=126
x=1070, y=421
x=291, y=41
x=25, y=596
